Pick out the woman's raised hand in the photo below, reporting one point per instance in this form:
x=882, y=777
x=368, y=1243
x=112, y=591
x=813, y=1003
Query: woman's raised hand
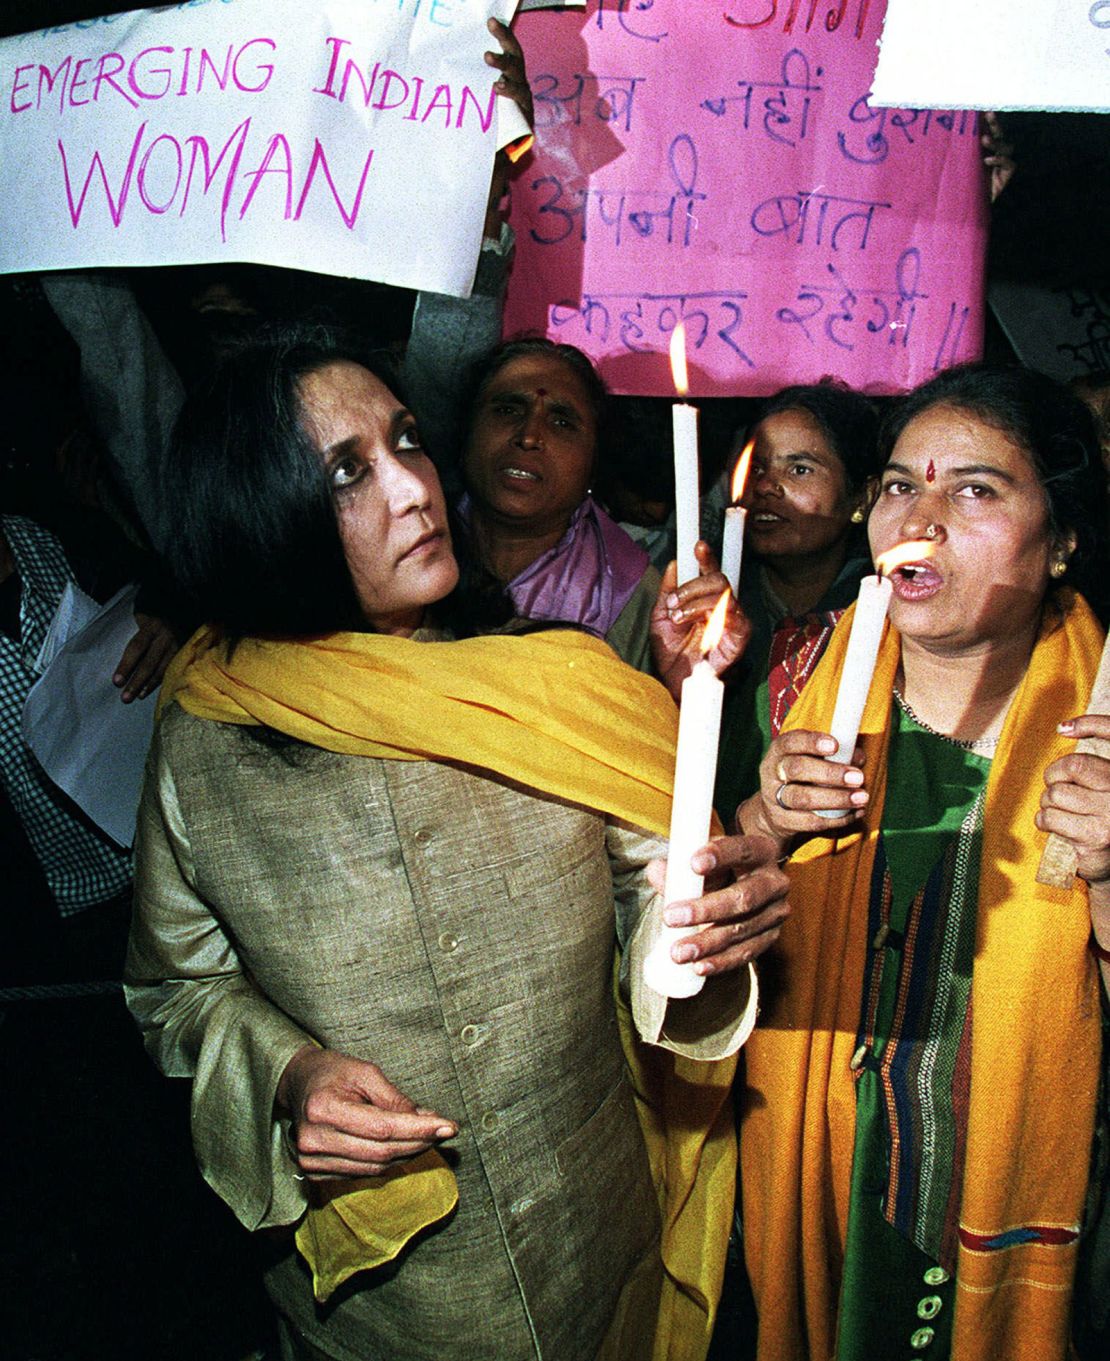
x=795, y=780
x=512, y=82
x=348, y=1119
x=678, y=621
x=1076, y=801
x=998, y=154
x=513, y=78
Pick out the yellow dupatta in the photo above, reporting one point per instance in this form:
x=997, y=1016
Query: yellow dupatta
x=1035, y=1043
x=558, y=712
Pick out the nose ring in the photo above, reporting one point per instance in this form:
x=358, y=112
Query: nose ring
x=931, y=531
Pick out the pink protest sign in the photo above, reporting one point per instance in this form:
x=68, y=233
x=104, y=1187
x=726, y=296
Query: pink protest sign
x=718, y=162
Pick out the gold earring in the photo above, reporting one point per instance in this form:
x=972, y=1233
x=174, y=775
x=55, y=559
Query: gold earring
x=857, y=516
x=1059, y=567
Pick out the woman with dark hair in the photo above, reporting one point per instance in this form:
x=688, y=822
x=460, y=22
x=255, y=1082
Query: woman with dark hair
x=380, y=879
x=540, y=544
x=813, y=460
x=922, y=1095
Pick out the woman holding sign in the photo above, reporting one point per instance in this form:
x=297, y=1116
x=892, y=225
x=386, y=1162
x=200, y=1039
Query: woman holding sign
x=917, y=1128
x=380, y=878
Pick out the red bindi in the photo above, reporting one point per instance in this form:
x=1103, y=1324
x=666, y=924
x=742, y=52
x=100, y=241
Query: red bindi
x=541, y=392
x=931, y=472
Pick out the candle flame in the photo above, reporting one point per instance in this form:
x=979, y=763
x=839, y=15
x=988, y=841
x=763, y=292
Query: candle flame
x=740, y=472
x=715, y=625
x=678, y=360
x=913, y=550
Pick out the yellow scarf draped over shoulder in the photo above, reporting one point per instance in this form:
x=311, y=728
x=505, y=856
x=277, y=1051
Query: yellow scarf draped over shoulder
x=558, y=712
x=1034, y=1051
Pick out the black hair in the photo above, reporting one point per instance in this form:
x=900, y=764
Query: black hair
x=638, y=463
x=255, y=545
x=1057, y=431
x=847, y=419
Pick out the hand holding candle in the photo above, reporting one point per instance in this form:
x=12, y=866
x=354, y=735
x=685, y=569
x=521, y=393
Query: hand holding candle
x=732, y=549
x=686, y=475
x=863, y=649
x=699, y=728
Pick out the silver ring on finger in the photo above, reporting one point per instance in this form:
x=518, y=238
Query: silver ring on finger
x=778, y=796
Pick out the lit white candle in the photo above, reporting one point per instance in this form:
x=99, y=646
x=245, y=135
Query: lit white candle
x=699, y=730
x=862, y=652
x=732, y=546
x=872, y=604
x=686, y=476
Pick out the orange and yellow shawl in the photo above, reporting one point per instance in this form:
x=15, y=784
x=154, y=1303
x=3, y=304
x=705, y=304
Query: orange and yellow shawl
x=1035, y=1044
x=558, y=712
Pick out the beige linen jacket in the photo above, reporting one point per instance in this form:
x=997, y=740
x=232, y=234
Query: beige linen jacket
x=459, y=933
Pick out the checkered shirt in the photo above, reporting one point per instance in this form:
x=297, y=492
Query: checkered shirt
x=83, y=866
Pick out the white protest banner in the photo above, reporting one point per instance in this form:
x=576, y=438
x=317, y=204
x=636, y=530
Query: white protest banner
x=352, y=137
x=995, y=54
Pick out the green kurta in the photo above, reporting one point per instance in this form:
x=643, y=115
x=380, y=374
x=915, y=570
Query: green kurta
x=896, y=1296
